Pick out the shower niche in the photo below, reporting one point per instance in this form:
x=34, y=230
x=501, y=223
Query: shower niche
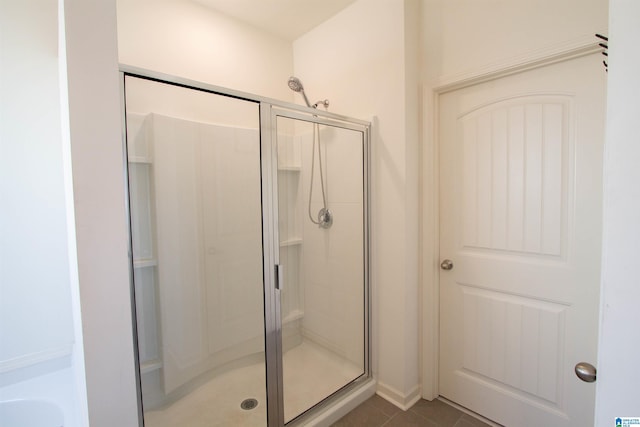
x=239, y=295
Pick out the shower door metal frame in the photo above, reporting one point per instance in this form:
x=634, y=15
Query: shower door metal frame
x=269, y=110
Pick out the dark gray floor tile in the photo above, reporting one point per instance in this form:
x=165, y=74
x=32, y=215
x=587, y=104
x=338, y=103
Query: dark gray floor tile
x=363, y=416
x=377, y=412
x=388, y=408
x=409, y=419
x=473, y=421
x=440, y=413
x=464, y=423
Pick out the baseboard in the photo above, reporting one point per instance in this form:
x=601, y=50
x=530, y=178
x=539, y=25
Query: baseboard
x=401, y=400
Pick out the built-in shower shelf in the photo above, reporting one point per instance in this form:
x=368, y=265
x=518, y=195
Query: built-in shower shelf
x=150, y=366
x=289, y=168
x=145, y=262
x=291, y=242
x=294, y=315
x=139, y=159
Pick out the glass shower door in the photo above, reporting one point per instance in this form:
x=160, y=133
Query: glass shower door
x=322, y=256
x=249, y=238
x=194, y=162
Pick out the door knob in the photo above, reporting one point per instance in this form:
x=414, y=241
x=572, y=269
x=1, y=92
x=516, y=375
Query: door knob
x=586, y=372
x=446, y=264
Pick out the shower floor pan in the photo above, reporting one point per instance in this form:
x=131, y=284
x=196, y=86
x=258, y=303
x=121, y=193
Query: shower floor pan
x=219, y=402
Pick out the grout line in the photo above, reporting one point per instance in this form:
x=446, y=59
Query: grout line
x=468, y=412
x=437, y=422
x=389, y=420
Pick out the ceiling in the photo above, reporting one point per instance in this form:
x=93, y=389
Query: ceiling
x=288, y=19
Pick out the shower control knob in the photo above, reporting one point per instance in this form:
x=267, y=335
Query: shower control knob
x=446, y=264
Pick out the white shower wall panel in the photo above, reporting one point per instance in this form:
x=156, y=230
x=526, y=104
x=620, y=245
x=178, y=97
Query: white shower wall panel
x=148, y=337
x=146, y=97
x=230, y=161
x=197, y=245
x=142, y=235
x=333, y=258
x=141, y=211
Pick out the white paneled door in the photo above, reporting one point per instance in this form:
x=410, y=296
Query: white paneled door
x=520, y=200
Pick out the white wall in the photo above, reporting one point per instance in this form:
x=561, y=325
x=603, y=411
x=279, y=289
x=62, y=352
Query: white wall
x=186, y=39
x=472, y=34
x=34, y=273
x=101, y=222
x=357, y=60
x=40, y=351
x=619, y=345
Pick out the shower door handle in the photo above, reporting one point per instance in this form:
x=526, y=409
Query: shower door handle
x=278, y=276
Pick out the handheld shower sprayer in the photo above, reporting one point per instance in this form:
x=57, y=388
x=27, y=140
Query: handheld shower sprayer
x=325, y=217
x=296, y=85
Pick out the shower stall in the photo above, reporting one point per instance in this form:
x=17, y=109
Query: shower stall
x=250, y=310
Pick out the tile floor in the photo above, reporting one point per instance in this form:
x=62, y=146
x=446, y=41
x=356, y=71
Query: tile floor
x=377, y=412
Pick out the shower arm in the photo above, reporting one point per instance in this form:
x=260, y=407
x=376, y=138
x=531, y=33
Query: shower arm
x=323, y=102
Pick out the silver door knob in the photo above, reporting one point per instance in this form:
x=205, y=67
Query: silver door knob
x=586, y=372
x=446, y=264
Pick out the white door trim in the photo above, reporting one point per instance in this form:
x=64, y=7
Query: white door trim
x=557, y=53
x=429, y=215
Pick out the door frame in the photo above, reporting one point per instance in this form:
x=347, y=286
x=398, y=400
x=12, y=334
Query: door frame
x=430, y=194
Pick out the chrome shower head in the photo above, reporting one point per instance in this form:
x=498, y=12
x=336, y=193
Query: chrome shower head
x=296, y=85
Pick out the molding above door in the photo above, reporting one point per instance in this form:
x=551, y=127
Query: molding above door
x=575, y=48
